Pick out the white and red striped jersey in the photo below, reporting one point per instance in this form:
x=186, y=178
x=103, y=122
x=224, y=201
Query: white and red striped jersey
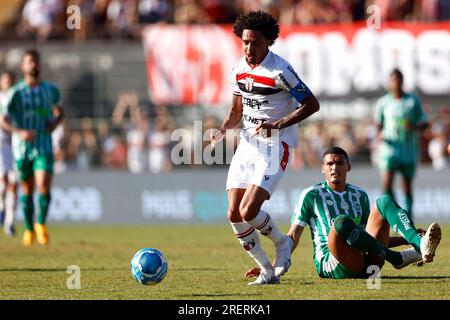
x=270, y=91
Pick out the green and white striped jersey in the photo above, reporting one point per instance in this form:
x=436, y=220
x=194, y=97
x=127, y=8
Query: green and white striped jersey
x=31, y=108
x=399, y=142
x=319, y=205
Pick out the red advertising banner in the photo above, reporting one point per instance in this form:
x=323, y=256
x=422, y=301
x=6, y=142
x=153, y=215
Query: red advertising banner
x=191, y=64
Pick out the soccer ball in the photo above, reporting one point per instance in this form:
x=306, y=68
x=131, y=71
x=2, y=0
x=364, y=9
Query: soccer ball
x=148, y=266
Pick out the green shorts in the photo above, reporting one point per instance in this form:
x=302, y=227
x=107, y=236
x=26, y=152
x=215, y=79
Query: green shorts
x=27, y=167
x=330, y=267
x=408, y=170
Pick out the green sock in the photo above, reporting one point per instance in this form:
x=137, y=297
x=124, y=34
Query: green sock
x=399, y=220
x=360, y=239
x=28, y=211
x=409, y=203
x=44, y=203
x=390, y=193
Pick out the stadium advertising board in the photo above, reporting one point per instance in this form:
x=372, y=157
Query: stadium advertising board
x=199, y=196
x=347, y=63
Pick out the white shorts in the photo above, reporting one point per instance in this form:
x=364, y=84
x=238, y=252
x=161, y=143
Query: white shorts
x=257, y=164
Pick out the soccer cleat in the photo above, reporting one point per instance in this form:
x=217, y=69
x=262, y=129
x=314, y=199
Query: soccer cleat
x=409, y=256
x=28, y=238
x=2, y=217
x=430, y=241
x=41, y=233
x=283, y=258
x=265, y=278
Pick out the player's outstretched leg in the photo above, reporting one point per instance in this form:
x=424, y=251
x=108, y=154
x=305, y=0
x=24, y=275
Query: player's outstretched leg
x=249, y=238
x=250, y=241
x=283, y=244
x=361, y=240
x=400, y=221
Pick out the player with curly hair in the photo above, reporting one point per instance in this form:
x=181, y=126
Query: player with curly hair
x=271, y=99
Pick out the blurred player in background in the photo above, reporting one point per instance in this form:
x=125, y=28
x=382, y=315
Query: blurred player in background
x=348, y=236
x=400, y=118
x=33, y=112
x=271, y=99
x=8, y=184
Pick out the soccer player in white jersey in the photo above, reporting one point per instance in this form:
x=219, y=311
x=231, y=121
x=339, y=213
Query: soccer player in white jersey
x=347, y=236
x=271, y=99
x=8, y=183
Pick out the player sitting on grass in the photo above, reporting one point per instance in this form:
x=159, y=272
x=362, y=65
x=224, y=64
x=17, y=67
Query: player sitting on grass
x=337, y=211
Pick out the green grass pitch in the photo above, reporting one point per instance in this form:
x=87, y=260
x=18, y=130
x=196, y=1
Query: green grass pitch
x=205, y=262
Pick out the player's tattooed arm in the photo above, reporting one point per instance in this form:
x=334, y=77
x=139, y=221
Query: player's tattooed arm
x=231, y=120
x=295, y=232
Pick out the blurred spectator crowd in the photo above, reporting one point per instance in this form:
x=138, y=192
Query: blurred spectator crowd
x=129, y=140
x=124, y=19
x=136, y=141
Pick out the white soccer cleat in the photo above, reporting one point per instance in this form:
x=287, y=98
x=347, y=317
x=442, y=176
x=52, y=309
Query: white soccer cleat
x=409, y=256
x=283, y=258
x=430, y=241
x=265, y=278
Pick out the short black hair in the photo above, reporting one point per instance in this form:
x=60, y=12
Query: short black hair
x=397, y=73
x=33, y=53
x=258, y=21
x=336, y=150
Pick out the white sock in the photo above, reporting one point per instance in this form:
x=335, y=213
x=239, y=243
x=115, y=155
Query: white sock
x=249, y=239
x=10, y=208
x=267, y=226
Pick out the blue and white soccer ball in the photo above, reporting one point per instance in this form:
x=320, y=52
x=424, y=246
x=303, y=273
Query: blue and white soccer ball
x=148, y=266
